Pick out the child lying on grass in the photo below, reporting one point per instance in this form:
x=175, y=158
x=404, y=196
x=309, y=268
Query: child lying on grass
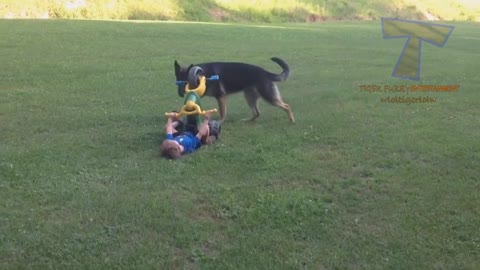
x=174, y=146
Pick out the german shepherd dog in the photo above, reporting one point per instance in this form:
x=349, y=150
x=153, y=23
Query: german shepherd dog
x=254, y=81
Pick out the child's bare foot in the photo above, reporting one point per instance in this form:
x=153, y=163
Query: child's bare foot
x=211, y=139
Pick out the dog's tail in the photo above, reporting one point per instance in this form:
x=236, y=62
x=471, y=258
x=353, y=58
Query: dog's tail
x=285, y=73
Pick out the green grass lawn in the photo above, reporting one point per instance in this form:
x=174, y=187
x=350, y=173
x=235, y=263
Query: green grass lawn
x=355, y=184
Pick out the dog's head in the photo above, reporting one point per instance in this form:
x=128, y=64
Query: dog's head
x=181, y=73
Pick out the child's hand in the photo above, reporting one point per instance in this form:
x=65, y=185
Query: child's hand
x=208, y=114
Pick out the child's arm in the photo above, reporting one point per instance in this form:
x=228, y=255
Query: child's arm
x=169, y=128
x=203, y=130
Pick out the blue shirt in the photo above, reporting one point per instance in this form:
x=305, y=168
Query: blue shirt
x=189, y=142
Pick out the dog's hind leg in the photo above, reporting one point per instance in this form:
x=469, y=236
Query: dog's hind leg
x=286, y=108
x=272, y=95
x=251, y=95
x=222, y=106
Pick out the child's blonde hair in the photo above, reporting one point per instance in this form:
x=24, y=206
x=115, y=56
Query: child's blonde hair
x=170, y=149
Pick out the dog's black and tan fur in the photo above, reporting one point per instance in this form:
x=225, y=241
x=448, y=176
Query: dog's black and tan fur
x=254, y=81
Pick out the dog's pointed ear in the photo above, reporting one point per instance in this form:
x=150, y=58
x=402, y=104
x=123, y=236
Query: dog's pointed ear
x=177, y=68
x=189, y=67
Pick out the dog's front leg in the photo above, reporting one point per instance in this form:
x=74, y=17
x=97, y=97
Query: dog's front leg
x=222, y=106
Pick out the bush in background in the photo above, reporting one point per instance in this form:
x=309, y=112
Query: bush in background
x=242, y=10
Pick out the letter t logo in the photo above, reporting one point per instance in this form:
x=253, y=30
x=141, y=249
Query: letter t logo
x=408, y=64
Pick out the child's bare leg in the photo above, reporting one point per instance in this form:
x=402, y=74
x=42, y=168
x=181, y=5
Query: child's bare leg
x=203, y=130
x=175, y=125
